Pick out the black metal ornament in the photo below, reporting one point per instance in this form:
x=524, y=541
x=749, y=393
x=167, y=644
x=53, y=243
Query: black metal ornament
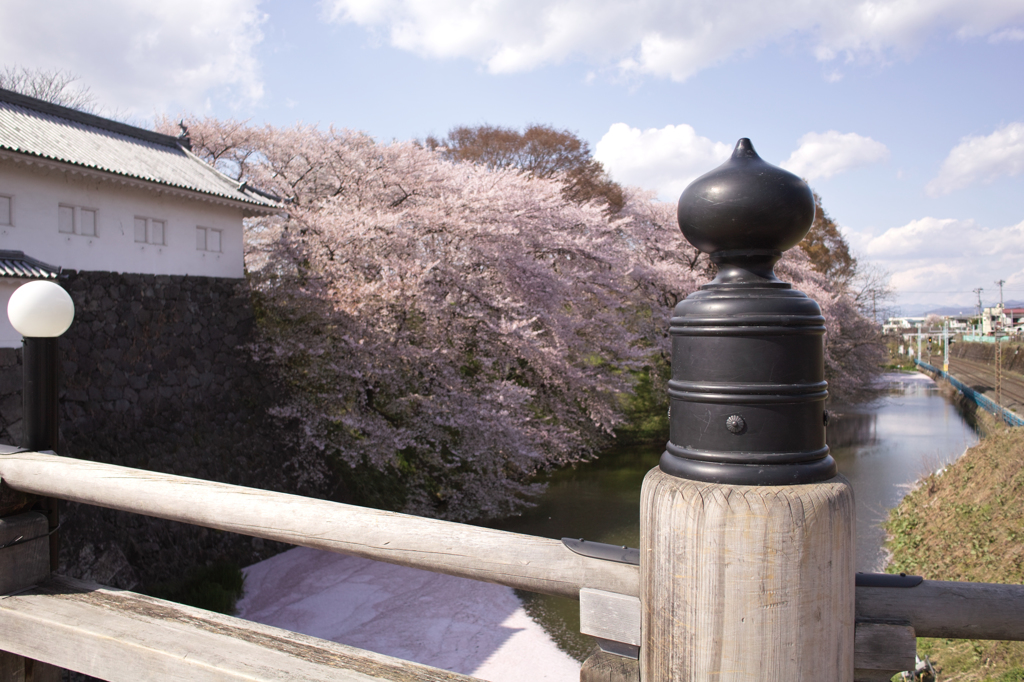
x=747, y=390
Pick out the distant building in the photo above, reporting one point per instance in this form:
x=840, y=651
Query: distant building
x=82, y=192
x=959, y=324
x=1006, y=320
x=901, y=324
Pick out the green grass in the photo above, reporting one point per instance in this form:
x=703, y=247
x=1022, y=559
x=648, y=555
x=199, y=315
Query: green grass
x=966, y=525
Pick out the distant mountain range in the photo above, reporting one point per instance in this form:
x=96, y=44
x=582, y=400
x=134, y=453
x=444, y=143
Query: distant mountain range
x=921, y=309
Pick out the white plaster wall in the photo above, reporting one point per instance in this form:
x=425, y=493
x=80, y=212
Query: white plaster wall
x=37, y=192
x=9, y=338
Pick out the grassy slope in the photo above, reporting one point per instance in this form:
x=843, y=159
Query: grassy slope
x=968, y=524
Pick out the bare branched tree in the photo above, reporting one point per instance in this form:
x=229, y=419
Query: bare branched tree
x=541, y=151
x=57, y=86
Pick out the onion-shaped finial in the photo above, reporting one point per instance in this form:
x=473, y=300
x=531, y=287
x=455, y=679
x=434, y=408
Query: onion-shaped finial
x=746, y=207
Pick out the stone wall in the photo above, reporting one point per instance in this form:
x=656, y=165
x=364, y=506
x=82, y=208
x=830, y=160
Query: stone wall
x=157, y=375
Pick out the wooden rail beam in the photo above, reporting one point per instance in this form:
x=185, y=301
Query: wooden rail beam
x=933, y=608
x=125, y=637
x=521, y=561
x=953, y=610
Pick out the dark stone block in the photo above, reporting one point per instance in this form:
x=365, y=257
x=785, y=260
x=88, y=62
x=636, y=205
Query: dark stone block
x=135, y=340
x=10, y=380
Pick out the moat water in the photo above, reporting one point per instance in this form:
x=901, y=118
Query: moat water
x=882, y=449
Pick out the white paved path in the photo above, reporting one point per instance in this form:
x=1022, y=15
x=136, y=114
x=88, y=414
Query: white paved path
x=461, y=625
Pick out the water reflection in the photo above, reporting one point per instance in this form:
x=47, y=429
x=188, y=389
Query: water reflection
x=847, y=428
x=886, y=447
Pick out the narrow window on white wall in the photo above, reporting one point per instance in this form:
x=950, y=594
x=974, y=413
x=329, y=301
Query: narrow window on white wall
x=66, y=220
x=5, y=210
x=76, y=220
x=208, y=239
x=150, y=231
x=156, y=232
x=87, y=219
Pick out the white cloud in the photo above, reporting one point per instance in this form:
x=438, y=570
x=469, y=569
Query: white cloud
x=822, y=155
x=661, y=159
x=930, y=277
x=141, y=57
x=981, y=159
x=929, y=257
x=1007, y=35
x=926, y=237
x=665, y=37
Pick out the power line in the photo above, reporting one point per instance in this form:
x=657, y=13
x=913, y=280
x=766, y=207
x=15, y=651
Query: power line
x=959, y=291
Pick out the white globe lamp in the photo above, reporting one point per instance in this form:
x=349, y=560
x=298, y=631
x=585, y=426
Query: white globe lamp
x=41, y=309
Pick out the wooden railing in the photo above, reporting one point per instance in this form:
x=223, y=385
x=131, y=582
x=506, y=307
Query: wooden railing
x=521, y=561
x=118, y=635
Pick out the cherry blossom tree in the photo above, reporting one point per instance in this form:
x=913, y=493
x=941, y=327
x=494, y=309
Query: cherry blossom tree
x=455, y=326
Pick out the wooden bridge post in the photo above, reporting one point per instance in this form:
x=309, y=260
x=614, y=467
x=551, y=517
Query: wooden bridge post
x=747, y=530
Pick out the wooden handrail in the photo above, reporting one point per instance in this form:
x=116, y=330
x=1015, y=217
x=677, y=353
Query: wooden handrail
x=120, y=636
x=520, y=561
x=952, y=610
x=933, y=608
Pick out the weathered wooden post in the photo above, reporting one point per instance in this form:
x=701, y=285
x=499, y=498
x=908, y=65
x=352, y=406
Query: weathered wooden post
x=41, y=311
x=747, y=530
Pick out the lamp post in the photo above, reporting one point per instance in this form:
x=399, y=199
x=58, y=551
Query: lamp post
x=41, y=311
x=747, y=544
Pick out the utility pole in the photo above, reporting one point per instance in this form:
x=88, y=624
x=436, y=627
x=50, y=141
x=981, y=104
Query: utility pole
x=999, y=370
x=999, y=348
x=978, y=292
x=945, y=346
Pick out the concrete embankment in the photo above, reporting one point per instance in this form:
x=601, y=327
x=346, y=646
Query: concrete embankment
x=985, y=353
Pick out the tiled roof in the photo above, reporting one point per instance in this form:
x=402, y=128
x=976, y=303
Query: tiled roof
x=40, y=129
x=17, y=264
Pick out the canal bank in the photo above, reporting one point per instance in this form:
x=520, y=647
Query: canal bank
x=966, y=523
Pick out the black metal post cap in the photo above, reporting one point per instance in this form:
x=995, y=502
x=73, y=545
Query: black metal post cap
x=746, y=204
x=747, y=390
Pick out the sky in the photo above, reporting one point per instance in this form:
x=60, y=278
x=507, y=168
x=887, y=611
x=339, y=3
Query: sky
x=906, y=116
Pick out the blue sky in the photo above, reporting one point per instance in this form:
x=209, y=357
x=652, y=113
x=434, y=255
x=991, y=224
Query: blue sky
x=907, y=116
